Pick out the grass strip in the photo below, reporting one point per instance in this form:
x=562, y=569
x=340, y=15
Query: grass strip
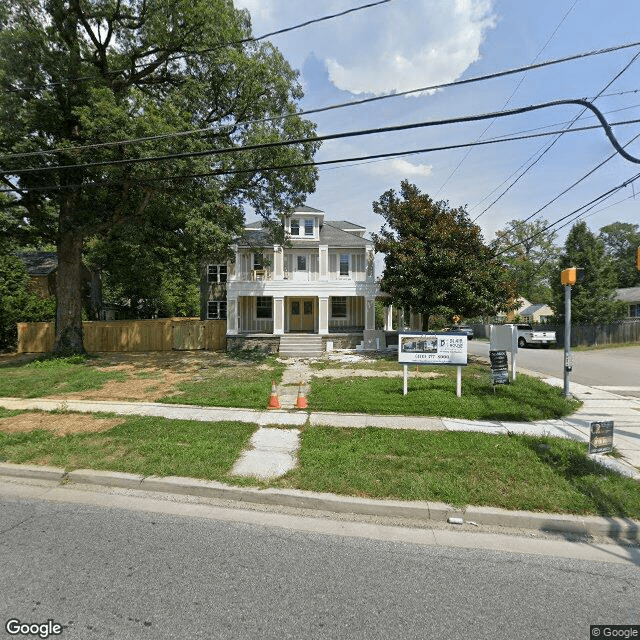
x=143, y=445
x=461, y=468
x=246, y=387
x=525, y=399
x=53, y=376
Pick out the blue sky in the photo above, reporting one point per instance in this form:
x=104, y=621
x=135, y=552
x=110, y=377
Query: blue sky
x=407, y=44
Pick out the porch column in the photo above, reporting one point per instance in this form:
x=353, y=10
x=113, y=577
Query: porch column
x=278, y=263
x=323, y=316
x=388, y=317
x=369, y=314
x=323, y=262
x=278, y=316
x=232, y=316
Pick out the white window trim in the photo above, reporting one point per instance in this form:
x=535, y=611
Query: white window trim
x=270, y=308
x=217, y=273
x=301, y=235
x=349, y=266
x=346, y=305
x=219, y=315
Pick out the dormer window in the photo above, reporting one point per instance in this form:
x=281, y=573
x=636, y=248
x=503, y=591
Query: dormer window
x=308, y=227
x=295, y=227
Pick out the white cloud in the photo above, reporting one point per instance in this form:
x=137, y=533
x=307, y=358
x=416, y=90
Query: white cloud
x=397, y=46
x=433, y=42
x=399, y=168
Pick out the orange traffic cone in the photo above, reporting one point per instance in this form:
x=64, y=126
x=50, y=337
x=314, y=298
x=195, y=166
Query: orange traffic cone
x=301, y=402
x=274, y=403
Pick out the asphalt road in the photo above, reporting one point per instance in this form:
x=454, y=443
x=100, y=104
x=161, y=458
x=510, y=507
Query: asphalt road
x=132, y=571
x=616, y=370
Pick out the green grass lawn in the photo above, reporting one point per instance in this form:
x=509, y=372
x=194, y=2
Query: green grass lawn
x=512, y=472
x=459, y=468
x=52, y=376
x=525, y=399
x=143, y=445
x=231, y=386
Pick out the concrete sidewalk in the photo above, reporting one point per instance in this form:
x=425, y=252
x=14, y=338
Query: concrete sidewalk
x=598, y=405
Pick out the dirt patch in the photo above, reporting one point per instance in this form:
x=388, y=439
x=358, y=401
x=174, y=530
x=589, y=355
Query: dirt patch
x=60, y=424
x=143, y=384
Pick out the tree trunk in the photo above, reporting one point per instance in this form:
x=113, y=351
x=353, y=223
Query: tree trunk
x=69, y=287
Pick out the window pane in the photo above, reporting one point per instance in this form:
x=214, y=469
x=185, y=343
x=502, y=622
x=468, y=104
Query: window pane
x=217, y=310
x=308, y=227
x=339, y=307
x=308, y=307
x=212, y=273
x=295, y=227
x=263, y=307
x=344, y=264
x=222, y=269
x=295, y=308
x=258, y=260
x=302, y=263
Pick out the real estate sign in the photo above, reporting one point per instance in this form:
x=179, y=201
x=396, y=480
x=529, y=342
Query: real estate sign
x=432, y=348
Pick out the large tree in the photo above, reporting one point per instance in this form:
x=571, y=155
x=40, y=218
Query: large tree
x=435, y=258
x=76, y=74
x=528, y=250
x=621, y=243
x=591, y=298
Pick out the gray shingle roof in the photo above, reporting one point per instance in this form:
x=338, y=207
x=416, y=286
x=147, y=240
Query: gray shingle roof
x=39, y=263
x=630, y=294
x=331, y=234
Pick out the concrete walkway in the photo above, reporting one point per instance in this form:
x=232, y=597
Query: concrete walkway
x=598, y=405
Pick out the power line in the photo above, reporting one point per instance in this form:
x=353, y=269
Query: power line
x=222, y=45
x=349, y=134
x=513, y=93
x=300, y=165
x=595, y=201
x=341, y=105
x=549, y=147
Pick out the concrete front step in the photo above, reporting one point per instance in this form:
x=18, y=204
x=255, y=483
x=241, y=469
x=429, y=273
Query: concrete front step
x=301, y=346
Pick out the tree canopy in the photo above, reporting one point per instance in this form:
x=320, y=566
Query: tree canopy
x=83, y=81
x=528, y=249
x=435, y=258
x=621, y=242
x=591, y=298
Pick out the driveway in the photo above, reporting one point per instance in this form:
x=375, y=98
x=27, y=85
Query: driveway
x=616, y=370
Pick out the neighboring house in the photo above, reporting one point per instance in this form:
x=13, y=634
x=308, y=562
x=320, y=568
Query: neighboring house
x=527, y=312
x=631, y=296
x=42, y=267
x=321, y=282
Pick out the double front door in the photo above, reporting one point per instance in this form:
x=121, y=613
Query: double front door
x=301, y=314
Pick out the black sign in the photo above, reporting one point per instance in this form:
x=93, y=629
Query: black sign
x=601, y=438
x=499, y=367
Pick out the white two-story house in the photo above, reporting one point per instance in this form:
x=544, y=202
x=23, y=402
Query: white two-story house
x=321, y=282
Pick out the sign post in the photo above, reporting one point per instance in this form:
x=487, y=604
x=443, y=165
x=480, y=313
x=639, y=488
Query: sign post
x=568, y=278
x=432, y=348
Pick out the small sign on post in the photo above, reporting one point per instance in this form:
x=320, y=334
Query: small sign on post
x=499, y=367
x=432, y=348
x=601, y=437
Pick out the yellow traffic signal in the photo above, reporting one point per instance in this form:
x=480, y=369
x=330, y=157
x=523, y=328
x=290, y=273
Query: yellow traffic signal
x=568, y=276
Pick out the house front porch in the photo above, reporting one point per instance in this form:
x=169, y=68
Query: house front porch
x=280, y=315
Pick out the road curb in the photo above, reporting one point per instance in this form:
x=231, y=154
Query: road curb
x=623, y=529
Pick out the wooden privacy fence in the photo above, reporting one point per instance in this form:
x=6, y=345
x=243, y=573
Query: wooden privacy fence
x=584, y=335
x=166, y=334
